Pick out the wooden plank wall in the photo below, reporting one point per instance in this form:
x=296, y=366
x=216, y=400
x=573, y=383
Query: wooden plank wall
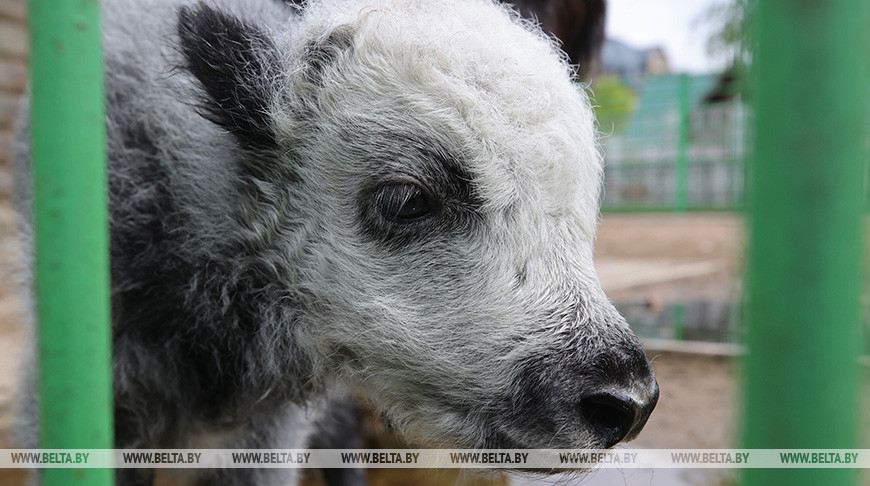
x=13, y=77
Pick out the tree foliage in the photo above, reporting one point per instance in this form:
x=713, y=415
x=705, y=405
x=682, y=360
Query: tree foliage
x=730, y=22
x=613, y=101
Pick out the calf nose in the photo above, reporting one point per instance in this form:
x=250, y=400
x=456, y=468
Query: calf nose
x=614, y=416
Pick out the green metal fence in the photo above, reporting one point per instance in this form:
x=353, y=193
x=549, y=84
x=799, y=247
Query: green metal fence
x=678, y=150
x=696, y=320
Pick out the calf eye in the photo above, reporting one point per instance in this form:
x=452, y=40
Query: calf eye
x=404, y=202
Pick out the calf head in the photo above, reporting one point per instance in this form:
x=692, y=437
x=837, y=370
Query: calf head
x=423, y=178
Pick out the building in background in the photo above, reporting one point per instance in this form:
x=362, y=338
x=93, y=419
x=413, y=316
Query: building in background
x=632, y=65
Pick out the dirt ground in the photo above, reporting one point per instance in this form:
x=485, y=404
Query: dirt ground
x=659, y=259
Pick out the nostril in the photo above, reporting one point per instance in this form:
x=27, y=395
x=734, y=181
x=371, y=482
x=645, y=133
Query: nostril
x=611, y=415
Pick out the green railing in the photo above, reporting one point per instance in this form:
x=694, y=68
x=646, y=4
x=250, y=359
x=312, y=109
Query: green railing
x=71, y=233
x=677, y=151
x=696, y=320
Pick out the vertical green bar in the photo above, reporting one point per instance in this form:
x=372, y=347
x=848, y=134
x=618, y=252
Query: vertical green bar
x=677, y=321
x=681, y=169
x=71, y=234
x=804, y=264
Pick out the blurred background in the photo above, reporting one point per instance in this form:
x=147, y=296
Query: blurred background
x=668, y=82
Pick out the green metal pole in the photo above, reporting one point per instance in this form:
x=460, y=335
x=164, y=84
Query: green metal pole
x=681, y=168
x=71, y=236
x=677, y=321
x=804, y=264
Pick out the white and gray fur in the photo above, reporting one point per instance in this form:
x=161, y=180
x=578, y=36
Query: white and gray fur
x=263, y=158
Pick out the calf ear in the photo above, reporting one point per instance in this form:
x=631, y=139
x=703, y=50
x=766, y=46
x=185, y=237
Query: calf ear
x=237, y=64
